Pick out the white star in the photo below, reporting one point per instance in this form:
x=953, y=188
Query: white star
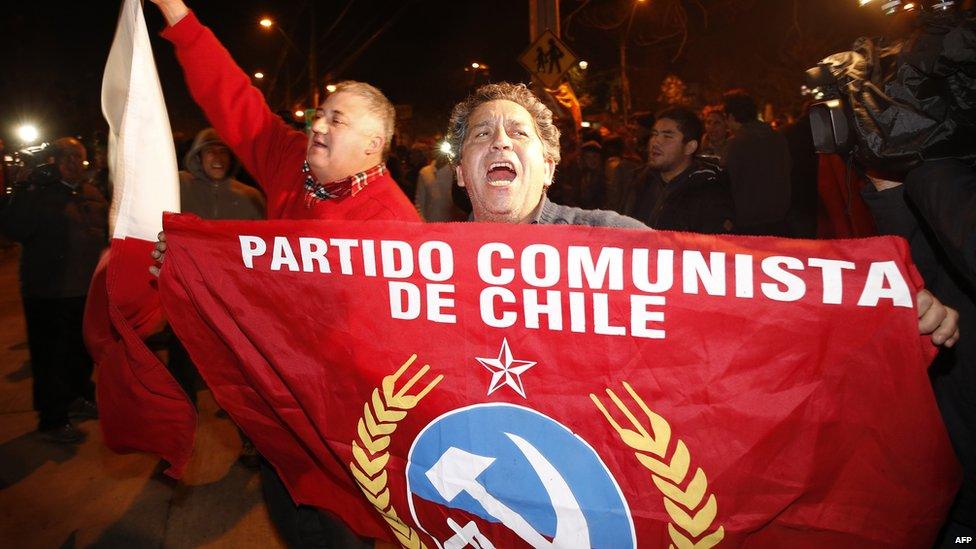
x=505, y=370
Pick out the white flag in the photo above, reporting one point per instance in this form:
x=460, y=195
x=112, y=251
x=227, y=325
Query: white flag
x=141, y=407
x=142, y=160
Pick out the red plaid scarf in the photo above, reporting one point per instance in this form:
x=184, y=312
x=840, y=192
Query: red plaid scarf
x=341, y=188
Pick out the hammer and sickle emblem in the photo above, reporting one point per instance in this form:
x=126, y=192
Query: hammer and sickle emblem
x=457, y=472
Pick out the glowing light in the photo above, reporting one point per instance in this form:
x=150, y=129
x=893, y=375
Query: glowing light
x=909, y=6
x=259, y=75
x=833, y=103
x=445, y=147
x=266, y=23
x=299, y=114
x=331, y=88
x=585, y=124
x=28, y=133
x=583, y=65
x=864, y=2
x=891, y=7
x=475, y=65
x=85, y=163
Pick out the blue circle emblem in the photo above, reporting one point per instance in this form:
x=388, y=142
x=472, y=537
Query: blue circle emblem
x=490, y=464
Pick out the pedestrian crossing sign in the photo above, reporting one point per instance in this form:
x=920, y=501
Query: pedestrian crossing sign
x=547, y=59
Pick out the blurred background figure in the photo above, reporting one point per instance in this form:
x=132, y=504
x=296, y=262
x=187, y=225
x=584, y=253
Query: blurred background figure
x=677, y=191
x=435, y=182
x=207, y=186
x=716, y=138
x=758, y=163
x=61, y=221
x=208, y=189
x=620, y=166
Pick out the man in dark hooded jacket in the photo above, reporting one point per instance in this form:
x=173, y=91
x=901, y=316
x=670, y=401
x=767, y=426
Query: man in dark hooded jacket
x=208, y=189
x=207, y=186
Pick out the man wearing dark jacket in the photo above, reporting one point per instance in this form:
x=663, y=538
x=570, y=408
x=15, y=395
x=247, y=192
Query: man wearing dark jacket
x=758, y=164
x=209, y=190
x=62, y=223
x=944, y=191
x=678, y=192
x=942, y=265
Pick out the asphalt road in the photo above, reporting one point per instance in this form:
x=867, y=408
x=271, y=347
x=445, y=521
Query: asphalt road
x=85, y=495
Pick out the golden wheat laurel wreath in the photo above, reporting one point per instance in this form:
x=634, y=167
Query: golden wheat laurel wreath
x=381, y=413
x=651, y=449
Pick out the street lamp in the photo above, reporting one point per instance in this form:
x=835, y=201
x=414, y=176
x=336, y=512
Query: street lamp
x=313, y=91
x=478, y=70
x=268, y=23
x=259, y=75
x=583, y=65
x=28, y=133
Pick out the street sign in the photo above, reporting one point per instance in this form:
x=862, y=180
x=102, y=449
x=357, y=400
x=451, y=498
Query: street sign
x=548, y=59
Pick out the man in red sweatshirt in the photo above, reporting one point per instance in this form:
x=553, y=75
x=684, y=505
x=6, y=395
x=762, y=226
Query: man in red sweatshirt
x=336, y=172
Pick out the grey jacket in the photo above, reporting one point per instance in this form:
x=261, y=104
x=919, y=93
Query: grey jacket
x=225, y=199
x=553, y=214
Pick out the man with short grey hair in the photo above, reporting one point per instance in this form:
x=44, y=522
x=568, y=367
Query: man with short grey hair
x=336, y=172
x=376, y=104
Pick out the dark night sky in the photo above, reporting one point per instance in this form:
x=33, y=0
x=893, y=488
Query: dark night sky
x=54, y=52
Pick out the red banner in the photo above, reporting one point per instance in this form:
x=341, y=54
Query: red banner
x=486, y=385
x=141, y=407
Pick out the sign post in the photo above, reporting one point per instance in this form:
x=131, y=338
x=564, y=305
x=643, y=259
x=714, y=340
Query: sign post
x=548, y=59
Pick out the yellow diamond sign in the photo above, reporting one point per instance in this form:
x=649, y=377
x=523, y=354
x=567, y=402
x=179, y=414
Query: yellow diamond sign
x=548, y=59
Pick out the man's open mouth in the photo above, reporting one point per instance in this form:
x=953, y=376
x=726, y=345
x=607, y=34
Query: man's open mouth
x=501, y=172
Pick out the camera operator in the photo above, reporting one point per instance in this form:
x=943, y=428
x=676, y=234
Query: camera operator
x=944, y=191
x=907, y=107
x=953, y=373
x=61, y=221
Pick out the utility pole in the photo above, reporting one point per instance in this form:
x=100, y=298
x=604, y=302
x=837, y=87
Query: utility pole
x=624, y=80
x=313, y=86
x=543, y=15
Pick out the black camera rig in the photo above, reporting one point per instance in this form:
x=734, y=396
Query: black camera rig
x=893, y=105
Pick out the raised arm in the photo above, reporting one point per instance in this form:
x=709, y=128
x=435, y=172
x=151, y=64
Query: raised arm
x=265, y=144
x=172, y=10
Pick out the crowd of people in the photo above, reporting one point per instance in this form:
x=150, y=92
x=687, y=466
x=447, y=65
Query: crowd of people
x=720, y=170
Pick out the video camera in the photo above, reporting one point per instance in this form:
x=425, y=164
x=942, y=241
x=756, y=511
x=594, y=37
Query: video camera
x=892, y=7
x=893, y=105
x=18, y=164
